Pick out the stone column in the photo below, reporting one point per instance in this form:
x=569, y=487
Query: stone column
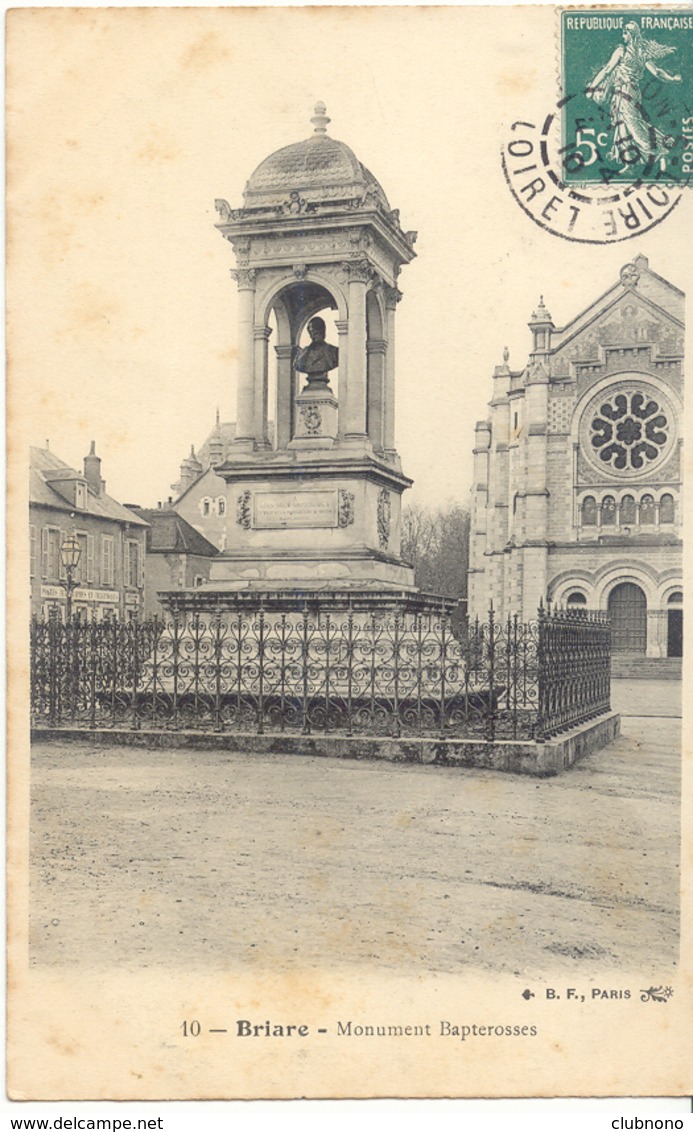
x=285, y=394
x=261, y=336
x=375, y=356
x=342, y=328
x=392, y=297
x=245, y=392
x=359, y=273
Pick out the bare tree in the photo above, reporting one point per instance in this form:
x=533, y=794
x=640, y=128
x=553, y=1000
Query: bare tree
x=436, y=543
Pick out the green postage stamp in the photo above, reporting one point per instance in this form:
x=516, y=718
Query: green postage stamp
x=627, y=106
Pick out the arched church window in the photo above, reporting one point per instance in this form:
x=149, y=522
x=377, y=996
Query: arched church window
x=666, y=509
x=589, y=511
x=676, y=598
x=608, y=511
x=647, y=510
x=627, y=510
x=576, y=598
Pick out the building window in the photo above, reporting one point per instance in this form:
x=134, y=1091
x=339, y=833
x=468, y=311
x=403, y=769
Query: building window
x=90, y=558
x=132, y=563
x=81, y=496
x=32, y=550
x=221, y=505
x=589, y=511
x=629, y=431
x=666, y=509
x=81, y=571
x=576, y=598
x=51, y=538
x=647, y=510
x=627, y=510
x=206, y=506
x=676, y=598
x=107, y=560
x=608, y=511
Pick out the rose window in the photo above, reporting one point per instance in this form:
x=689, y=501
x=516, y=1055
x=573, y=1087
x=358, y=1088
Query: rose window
x=629, y=431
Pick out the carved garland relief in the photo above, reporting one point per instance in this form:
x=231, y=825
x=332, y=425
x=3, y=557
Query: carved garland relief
x=384, y=517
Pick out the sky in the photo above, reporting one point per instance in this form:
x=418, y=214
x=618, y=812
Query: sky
x=122, y=309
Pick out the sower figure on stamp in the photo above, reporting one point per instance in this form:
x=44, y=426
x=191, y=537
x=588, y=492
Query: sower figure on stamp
x=317, y=359
x=635, y=140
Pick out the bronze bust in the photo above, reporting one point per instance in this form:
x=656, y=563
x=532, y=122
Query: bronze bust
x=317, y=359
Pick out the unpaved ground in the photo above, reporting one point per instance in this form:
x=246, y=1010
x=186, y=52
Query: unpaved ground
x=197, y=859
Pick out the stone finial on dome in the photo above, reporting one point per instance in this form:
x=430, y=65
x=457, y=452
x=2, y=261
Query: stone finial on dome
x=320, y=119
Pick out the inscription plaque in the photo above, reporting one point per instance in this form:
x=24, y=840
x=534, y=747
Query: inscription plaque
x=294, y=509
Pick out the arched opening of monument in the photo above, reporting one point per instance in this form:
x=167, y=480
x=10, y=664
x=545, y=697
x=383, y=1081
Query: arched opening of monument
x=272, y=376
x=302, y=316
x=628, y=613
x=376, y=352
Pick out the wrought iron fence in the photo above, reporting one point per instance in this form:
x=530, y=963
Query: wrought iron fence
x=306, y=671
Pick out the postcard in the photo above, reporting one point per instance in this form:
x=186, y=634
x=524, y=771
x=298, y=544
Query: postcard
x=345, y=500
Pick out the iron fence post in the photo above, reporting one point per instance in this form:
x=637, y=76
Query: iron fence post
x=540, y=729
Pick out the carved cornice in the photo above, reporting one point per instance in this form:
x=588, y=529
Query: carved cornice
x=242, y=250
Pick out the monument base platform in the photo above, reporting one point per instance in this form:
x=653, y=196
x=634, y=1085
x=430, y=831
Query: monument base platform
x=342, y=567
x=320, y=595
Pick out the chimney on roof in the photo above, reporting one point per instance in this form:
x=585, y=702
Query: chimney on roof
x=92, y=471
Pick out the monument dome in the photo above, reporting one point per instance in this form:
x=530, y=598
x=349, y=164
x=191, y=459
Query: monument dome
x=319, y=168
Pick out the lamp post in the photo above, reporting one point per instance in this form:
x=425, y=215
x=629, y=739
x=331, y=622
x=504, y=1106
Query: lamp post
x=70, y=554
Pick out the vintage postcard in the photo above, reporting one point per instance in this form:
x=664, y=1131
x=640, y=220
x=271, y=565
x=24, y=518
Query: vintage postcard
x=346, y=534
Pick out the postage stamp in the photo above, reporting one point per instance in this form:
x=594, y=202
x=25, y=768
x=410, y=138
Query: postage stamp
x=627, y=83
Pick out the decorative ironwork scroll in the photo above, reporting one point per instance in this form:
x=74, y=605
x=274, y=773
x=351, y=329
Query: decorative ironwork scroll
x=302, y=669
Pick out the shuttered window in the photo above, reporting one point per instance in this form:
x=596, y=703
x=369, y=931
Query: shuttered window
x=107, y=560
x=44, y=552
x=90, y=559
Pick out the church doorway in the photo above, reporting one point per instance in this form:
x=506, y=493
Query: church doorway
x=675, y=625
x=628, y=612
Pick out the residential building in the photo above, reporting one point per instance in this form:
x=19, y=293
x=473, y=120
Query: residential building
x=177, y=556
x=110, y=571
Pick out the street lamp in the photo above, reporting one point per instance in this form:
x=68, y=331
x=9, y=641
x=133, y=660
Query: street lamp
x=70, y=554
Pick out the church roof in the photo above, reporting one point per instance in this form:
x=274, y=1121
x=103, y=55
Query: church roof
x=171, y=533
x=318, y=168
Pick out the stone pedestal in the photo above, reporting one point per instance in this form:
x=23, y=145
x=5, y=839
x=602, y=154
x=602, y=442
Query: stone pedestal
x=316, y=418
x=309, y=518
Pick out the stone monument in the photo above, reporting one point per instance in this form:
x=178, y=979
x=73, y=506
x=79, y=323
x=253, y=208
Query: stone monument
x=314, y=503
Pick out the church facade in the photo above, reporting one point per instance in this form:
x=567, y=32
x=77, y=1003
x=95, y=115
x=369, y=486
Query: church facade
x=577, y=495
